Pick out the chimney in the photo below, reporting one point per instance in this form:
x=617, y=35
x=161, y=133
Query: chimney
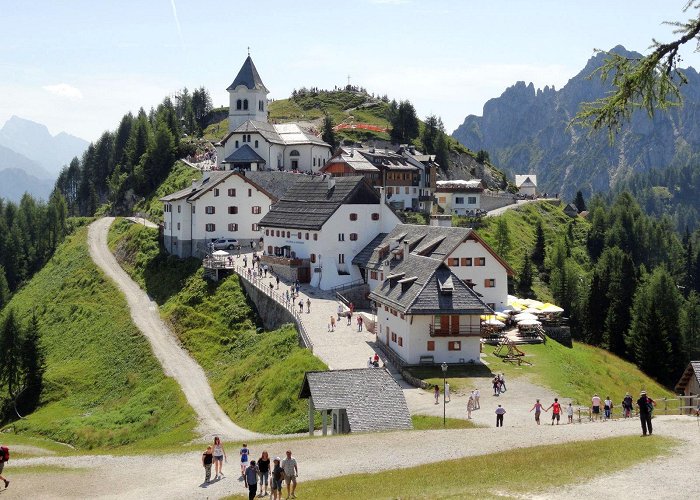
x=205, y=175
x=386, y=269
x=194, y=184
x=382, y=195
x=441, y=220
x=406, y=248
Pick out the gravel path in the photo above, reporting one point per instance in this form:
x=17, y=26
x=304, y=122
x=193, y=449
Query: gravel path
x=176, y=362
x=180, y=475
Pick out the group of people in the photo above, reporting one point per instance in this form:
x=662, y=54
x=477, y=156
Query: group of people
x=499, y=384
x=473, y=402
x=256, y=475
x=373, y=361
x=557, y=411
x=342, y=313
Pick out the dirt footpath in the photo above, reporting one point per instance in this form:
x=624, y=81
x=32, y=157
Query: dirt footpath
x=176, y=362
x=180, y=476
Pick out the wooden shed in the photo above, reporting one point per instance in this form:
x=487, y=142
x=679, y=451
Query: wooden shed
x=689, y=386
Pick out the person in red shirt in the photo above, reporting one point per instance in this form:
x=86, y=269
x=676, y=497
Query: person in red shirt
x=556, y=410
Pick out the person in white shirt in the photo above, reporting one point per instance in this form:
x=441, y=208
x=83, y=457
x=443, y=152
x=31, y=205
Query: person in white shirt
x=570, y=413
x=477, y=405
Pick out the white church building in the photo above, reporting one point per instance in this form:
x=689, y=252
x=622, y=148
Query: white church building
x=253, y=143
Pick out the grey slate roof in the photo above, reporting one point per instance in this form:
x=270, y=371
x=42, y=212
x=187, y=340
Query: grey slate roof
x=267, y=130
x=309, y=202
x=248, y=76
x=433, y=241
x=692, y=370
x=244, y=154
x=199, y=187
x=276, y=183
x=372, y=398
x=423, y=285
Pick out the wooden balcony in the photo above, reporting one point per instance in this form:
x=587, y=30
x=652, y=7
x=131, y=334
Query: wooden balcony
x=461, y=331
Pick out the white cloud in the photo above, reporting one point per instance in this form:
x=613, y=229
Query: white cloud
x=64, y=90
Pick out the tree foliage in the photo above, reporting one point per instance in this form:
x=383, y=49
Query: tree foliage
x=434, y=140
x=404, y=122
x=328, y=134
x=648, y=83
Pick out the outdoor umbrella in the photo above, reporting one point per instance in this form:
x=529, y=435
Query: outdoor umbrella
x=522, y=316
x=529, y=322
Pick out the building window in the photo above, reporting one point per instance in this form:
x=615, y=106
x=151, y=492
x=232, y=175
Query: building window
x=178, y=208
x=232, y=210
x=459, y=200
x=314, y=161
x=442, y=199
x=239, y=104
x=480, y=261
x=453, y=262
x=269, y=249
x=256, y=209
x=245, y=103
x=306, y=236
x=393, y=312
x=209, y=210
x=315, y=236
x=210, y=228
x=236, y=144
x=353, y=236
x=454, y=345
x=373, y=275
x=400, y=341
x=490, y=283
x=407, y=190
x=375, y=216
x=278, y=233
x=261, y=107
x=178, y=226
x=353, y=216
x=312, y=258
x=256, y=144
x=294, y=152
x=466, y=261
x=341, y=258
x=393, y=337
x=255, y=227
x=193, y=208
x=299, y=235
x=233, y=227
x=431, y=345
x=471, y=200
x=250, y=192
x=341, y=236
x=232, y=192
x=216, y=191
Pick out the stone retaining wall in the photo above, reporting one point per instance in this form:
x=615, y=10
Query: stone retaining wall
x=494, y=201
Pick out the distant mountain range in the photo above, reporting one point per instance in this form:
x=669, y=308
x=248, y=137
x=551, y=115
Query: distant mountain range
x=31, y=158
x=526, y=131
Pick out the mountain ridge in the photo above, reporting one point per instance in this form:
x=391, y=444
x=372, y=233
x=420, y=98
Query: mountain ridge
x=526, y=130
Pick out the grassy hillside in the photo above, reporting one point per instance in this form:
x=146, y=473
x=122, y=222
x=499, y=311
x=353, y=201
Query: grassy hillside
x=521, y=223
x=574, y=373
x=103, y=386
x=180, y=177
x=255, y=375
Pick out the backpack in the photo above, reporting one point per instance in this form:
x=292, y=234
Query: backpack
x=4, y=454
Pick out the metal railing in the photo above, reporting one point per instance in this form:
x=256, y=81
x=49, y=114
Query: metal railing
x=261, y=284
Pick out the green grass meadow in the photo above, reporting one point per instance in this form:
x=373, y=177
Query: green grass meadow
x=103, y=388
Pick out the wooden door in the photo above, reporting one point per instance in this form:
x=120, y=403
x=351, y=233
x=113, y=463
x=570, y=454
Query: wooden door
x=454, y=324
x=444, y=325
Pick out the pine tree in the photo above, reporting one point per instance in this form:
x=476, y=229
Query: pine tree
x=328, y=134
x=538, y=251
x=690, y=326
x=620, y=294
x=579, y=202
x=10, y=359
x=404, y=124
x=33, y=362
x=503, y=240
x=4, y=289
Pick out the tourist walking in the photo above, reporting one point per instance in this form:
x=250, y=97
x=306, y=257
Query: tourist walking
x=500, y=411
x=264, y=468
x=219, y=457
x=276, y=480
x=308, y=305
x=277, y=279
x=340, y=311
x=244, y=458
x=447, y=392
x=502, y=382
x=496, y=386
x=556, y=410
x=595, y=406
x=570, y=413
x=470, y=406
x=301, y=305
x=348, y=315
x=538, y=410
x=291, y=472
x=207, y=459
x=4, y=457
x=646, y=407
x=607, y=407
x=332, y=323
x=250, y=477
x=627, y=405
x=359, y=322
x=477, y=395
x=436, y=393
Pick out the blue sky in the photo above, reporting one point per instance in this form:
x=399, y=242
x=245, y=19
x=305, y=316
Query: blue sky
x=78, y=66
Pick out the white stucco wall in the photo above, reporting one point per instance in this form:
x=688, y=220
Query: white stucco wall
x=449, y=201
x=492, y=269
x=415, y=334
x=237, y=117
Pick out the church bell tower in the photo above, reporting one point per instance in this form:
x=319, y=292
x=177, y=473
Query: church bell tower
x=247, y=97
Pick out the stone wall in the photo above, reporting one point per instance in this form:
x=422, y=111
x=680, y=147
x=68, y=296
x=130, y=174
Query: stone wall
x=275, y=315
x=494, y=201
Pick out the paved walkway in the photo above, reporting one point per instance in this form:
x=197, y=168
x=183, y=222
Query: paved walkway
x=519, y=203
x=176, y=362
x=344, y=347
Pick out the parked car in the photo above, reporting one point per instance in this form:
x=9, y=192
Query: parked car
x=225, y=243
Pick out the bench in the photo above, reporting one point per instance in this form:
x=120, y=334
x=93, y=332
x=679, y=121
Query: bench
x=426, y=360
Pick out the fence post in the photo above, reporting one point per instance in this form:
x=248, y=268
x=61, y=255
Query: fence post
x=579, y=415
x=665, y=406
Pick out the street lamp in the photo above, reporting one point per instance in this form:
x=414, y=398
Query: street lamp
x=444, y=386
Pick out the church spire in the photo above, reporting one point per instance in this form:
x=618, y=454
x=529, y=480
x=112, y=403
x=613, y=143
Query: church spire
x=248, y=76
